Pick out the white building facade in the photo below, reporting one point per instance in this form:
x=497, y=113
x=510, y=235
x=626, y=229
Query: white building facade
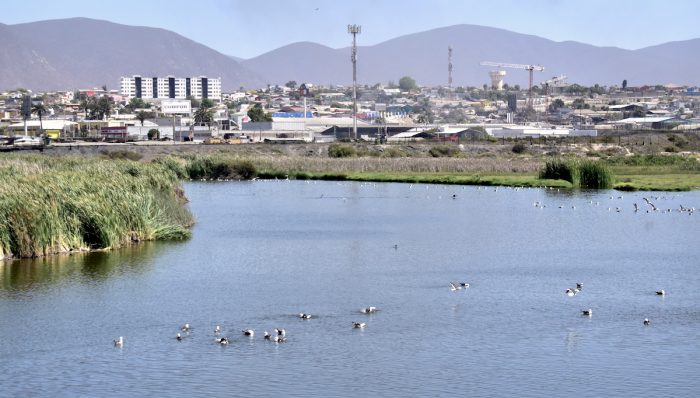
x=172, y=87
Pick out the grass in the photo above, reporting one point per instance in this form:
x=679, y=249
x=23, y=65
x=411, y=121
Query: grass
x=581, y=173
x=57, y=205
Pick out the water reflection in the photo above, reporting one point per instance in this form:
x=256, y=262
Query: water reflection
x=27, y=274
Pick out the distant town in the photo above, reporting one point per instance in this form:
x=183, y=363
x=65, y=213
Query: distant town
x=194, y=109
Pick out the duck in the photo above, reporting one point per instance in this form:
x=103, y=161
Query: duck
x=303, y=315
x=359, y=325
x=185, y=327
x=119, y=342
x=587, y=312
x=223, y=341
x=178, y=337
x=369, y=310
x=661, y=292
x=647, y=322
x=281, y=332
x=249, y=332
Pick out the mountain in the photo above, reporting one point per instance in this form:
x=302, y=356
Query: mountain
x=83, y=53
x=423, y=56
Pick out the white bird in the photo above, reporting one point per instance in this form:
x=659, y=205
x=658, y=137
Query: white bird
x=267, y=336
x=223, y=341
x=661, y=292
x=281, y=332
x=178, y=337
x=647, y=322
x=185, y=327
x=571, y=292
x=217, y=330
x=587, y=312
x=119, y=342
x=454, y=287
x=303, y=315
x=359, y=325
x=369, y=310
x=249, y=332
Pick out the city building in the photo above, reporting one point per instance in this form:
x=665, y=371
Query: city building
x=171, y=87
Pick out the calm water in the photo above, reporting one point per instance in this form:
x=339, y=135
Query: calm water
x=262, y=252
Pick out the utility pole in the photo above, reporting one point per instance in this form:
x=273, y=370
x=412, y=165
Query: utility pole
x=354, y=30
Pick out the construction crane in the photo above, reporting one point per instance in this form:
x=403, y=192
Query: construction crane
x=529, y=68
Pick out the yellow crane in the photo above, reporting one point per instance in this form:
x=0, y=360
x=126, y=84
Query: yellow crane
x=529, y=68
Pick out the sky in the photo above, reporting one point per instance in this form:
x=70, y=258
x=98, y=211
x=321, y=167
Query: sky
x=247, y=28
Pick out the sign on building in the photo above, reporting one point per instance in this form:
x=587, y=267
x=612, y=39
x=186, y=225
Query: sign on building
x=176, y=106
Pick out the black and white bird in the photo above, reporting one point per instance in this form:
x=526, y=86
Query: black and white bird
x=369, y=310
x=304, y=315
x=223, y=341
x=647, y=322
x=281, y=332
x=359, y=325
x=185, y=327
x=579, y=285
x=587, y=312
x=454, y=287
x=267, y=336
x=178, y=337
x=217, y=330
x=119, y=342
x=248, y=332
x=661, y=292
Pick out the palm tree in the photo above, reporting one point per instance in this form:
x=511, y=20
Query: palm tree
x=204, y=115
x=40, y=110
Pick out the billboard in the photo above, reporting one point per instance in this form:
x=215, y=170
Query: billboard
x=171, y=107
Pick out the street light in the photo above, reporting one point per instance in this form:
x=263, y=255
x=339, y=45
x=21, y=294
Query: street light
x=354, y=30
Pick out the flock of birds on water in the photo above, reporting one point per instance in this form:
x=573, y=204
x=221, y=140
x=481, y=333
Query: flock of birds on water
x=280, y=335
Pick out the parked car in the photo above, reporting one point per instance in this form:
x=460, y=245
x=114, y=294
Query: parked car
x=25, y=140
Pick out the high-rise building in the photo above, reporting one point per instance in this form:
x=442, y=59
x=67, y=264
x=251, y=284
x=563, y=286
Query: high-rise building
x=171, y=87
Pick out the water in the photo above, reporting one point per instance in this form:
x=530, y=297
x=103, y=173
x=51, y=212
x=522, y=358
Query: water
x=264, y=251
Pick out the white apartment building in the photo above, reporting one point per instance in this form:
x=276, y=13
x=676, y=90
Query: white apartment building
x=171, y=87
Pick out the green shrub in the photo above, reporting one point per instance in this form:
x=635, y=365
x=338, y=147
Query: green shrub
x=341, y=151
x=594, y=175
x=153, y=134
x=444, y=151
x=558, y=169
x=519, y=148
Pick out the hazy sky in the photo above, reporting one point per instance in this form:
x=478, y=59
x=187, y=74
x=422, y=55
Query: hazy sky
x=252, y=27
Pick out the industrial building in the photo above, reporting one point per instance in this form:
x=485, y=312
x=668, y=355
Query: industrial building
x=199, y=87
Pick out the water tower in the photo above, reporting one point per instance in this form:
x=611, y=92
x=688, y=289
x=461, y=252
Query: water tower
x=497, y=79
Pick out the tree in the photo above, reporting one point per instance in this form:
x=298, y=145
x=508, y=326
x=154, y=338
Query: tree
x=207, y=103
x=40, y=110
x=406, y=83
x=204, y=116
x=137, y=103
x=258, y=114
x=153, y=134
x=104, y=107
x=291, y=84
x=580, y=103
x=142, y=116
x=194, y=102
x=556, y=104
x=624, y=84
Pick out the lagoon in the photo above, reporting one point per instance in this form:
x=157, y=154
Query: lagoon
x=263, y=251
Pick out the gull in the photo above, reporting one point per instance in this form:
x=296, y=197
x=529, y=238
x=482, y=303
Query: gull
x=217, y=330
x=178, y=337
x=647, y=322
x=587, y=312
x=571, y=292
x=579, y=285
x=454, y=287
x=281, y=332
x=222, y=341
x=661, y=292
x=248, y=332
x=267, y=336
x=119, y=342
x=185, y=327
x=464, y=284
x=369, y=310
x=304, y=316
x=359, y=325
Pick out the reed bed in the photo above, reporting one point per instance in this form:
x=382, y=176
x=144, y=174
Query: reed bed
x=580, y=173
x=57, y=205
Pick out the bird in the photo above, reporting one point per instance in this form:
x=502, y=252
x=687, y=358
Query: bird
x=359, y=325
x=281, y=332
x=223, y=341
x=178, y=337
x=185, y=327
x=369, y=310
x=571, y=292
x=304, y=316
x=579, y=285
x=217, y=330
x=464, y=284
x=267, y=336
x=454, y=287
x=587, y=312
x=249, y=332
x=661, y=292
x=119, y=342
x=647, y=322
